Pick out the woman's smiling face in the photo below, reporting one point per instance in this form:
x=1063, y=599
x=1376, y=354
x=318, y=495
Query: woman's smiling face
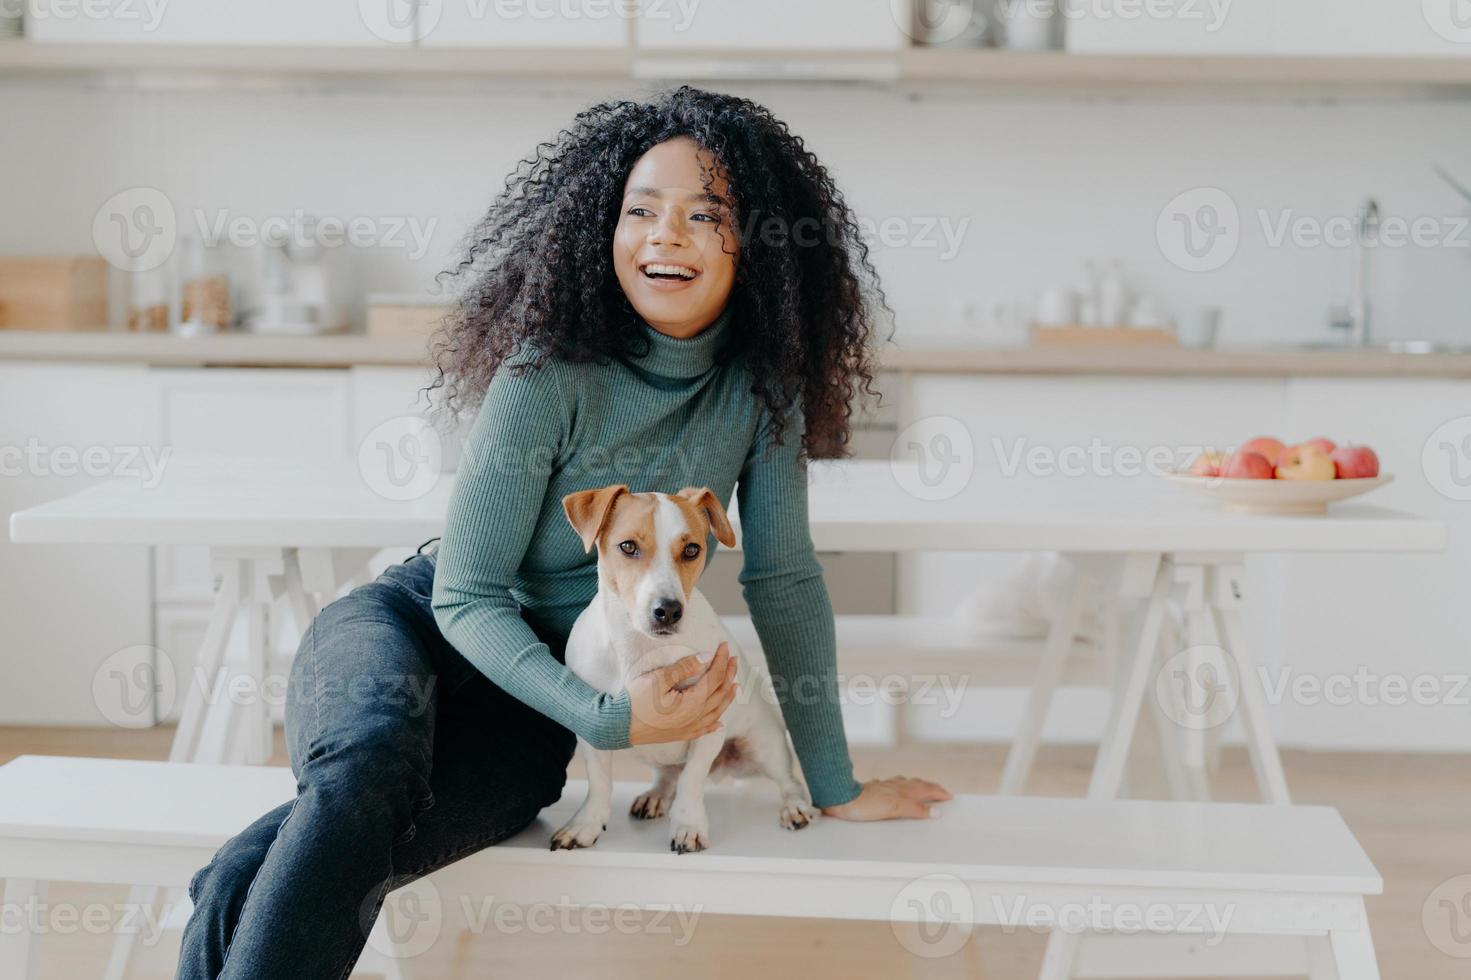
x=675, y=248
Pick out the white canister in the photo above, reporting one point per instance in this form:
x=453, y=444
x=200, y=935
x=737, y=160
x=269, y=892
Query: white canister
x=1030, y=25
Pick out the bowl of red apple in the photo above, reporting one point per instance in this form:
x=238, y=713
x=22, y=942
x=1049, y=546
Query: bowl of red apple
x=1267, y=476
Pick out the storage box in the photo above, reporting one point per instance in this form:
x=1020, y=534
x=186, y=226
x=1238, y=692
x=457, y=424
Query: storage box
x=403, y=316
x=53, y=293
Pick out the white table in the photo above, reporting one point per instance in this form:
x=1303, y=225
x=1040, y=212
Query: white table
x=300, y=533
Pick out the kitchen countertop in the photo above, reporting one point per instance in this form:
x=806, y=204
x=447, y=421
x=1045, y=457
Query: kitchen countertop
x=244, y=350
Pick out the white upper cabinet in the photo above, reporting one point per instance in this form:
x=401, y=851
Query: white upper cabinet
x=583, y=24
x=226, y=22
x=780, y=25
x=1271, y=27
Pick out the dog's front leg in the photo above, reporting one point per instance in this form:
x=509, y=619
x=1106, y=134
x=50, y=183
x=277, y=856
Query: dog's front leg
x=687, y=817
x=591, y=819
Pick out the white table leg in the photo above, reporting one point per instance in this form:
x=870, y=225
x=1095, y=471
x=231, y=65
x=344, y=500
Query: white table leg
x=1054, y=655
x=18, y=942
x=1252, y=702
x=1320, y=959
x=1061, y=955
x=1118, y=736
x=207, y=664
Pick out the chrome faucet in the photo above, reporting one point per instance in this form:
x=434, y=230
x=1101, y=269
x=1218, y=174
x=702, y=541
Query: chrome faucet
x=1360, y=308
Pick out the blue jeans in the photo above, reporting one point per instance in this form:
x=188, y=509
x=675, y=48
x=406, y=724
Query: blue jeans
x=406, y=757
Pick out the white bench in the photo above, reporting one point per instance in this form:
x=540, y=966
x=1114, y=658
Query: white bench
x=1192, y=872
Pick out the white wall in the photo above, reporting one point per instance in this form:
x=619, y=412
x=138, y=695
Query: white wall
x=1043, y=184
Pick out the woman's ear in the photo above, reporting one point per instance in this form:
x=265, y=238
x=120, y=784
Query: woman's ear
x=704, y=498
x=588, y=511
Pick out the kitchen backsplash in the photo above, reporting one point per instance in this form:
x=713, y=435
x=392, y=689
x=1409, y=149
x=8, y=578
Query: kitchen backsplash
x=972, y=206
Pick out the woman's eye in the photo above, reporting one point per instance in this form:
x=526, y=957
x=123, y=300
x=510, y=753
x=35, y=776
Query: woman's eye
x=706, y=217
x=640, y=212
x=628, y=548
x=691, y=552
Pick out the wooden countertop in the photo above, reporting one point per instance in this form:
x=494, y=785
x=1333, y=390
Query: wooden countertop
x=243, y=350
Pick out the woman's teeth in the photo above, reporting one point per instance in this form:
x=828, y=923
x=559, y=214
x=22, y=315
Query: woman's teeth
x=669, y=271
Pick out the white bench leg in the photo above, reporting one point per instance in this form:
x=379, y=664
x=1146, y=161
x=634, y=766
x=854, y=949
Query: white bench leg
x=1252, y=702
x=1353, y=954
x=139, y=897
x=18, y=957
x=1054, y=655
x=1061, y=955
x=1320, y=959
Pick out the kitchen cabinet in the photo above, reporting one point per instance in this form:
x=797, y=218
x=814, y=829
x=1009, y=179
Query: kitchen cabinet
x=224, y=22
x=1271, y=27
x=772, y=25
x=67, y=610
x=549, y=24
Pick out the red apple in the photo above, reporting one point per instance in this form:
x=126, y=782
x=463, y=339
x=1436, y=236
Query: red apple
x=1208, y=463
x=1247, y=466
x=1305, y=463
x=1327, y=445
x=1265, y=446
x=1355, y=462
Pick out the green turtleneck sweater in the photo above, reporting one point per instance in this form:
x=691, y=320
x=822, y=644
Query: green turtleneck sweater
x=669, y=419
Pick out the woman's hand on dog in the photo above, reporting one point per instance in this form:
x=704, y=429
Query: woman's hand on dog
x=662, y=712
x=897, y=797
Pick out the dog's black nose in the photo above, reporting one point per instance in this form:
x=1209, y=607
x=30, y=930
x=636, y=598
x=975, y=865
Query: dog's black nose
x=667, y=612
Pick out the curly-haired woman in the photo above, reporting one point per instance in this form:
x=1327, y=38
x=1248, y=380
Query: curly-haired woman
x=670, y=293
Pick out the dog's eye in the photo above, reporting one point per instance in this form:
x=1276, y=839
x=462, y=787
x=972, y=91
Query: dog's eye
x=691, y=552
x=628, y=548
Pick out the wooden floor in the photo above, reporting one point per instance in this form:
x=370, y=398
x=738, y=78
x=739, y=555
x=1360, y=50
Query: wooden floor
x=1412, y=813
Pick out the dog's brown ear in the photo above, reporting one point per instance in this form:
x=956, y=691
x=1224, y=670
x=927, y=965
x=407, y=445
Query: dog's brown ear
x=588, y=510
x=705, y=499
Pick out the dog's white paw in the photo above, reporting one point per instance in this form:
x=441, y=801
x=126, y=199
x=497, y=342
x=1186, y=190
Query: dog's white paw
x=689, y=837
x=797, y=813
x=651, y=805
x=574, y=835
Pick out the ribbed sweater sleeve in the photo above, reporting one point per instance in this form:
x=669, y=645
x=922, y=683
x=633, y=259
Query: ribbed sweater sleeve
x=521, y=431
x=787, y=597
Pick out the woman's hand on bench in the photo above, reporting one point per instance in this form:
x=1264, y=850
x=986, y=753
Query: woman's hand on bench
x=661, y=711
x=895, y=798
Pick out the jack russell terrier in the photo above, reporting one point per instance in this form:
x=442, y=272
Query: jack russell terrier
x=647, y=615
